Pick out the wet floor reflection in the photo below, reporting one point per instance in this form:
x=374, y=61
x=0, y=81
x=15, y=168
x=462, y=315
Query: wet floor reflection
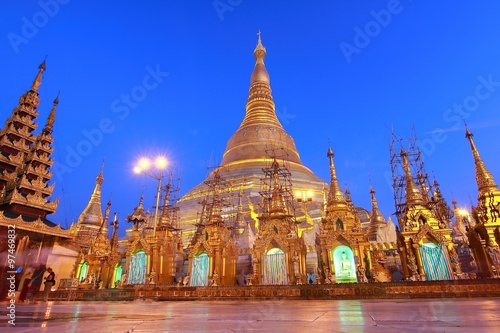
x=450, y=315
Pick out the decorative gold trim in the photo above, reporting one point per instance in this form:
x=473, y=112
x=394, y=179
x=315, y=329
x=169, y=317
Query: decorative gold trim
x=36, y=226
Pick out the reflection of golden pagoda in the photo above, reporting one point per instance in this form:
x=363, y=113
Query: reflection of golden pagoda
x=25, y=192
x=342, y=245
x=484, y=232
x=247, y=153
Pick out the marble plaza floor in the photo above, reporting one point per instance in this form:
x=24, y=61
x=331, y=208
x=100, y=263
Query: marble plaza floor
x=415, y=315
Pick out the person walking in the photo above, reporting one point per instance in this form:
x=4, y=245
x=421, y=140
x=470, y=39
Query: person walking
x=50, y=280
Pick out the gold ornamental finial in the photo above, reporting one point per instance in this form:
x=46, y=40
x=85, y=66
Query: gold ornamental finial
x=260, y=50
x=38, y=78
x=335, y=194
x=52, y=115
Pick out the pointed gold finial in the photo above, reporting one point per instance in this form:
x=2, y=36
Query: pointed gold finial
x=484, y=178
x=413, y=194
x=38, y=78
x=260, y=50
x=335, y=194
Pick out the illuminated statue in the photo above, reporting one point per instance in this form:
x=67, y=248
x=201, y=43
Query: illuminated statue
x=345, y=265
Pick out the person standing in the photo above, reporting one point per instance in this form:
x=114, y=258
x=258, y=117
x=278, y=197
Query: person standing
x=25, y=281
x=35, y=283
x=50, y=280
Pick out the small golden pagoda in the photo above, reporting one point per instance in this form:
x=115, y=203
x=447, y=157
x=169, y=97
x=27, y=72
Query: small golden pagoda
x=212, y=253
x=90, y=220
x=138, y=251
x=484, y=230
x=99, y=266
x=342, y=245
x=424, y=240
x=171, y=254
x=278, y=254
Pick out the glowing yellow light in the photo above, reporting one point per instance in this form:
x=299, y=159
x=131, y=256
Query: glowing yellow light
x=309, y=194
x=144, y=163
x=137, y=169
x=161, y=162
x=462, y=212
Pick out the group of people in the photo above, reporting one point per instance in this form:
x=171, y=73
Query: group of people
x=33, y=279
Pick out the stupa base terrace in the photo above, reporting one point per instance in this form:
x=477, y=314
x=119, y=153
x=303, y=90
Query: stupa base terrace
x=347, y=291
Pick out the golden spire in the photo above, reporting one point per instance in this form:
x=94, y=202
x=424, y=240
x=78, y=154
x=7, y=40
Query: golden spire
x=52, y=116
x=165, y=216
x=104, y=225
x=413, y=194
x=138, y=215
x=38, y=78
x=376, y=217
x=335, y=195
x=259, y=73
x=484, y=179
x=260, y=129
x=215, y=214
x=92, y=214
x=277, y=206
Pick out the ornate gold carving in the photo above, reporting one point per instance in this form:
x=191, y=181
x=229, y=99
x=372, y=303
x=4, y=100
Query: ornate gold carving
x=36, y=226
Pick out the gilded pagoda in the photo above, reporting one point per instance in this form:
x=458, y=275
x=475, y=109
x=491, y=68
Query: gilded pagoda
x=483, y=231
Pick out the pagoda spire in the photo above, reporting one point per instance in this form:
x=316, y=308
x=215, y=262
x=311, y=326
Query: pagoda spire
x=215, y=212
x=484, y=179
x=38, y=78
x=47, y=130
x=376, y=217
x=92, y=214
x=413, y=194
x=104, y=224
x=165, y=217
x=335, y=195
x=260, y=129
x=277, y=206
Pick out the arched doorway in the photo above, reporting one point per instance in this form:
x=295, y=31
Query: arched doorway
x=435, y=261
x=274, y=267
x=137, y=268
x=83, y=268
x=117, y=276
x=199, y=271
x=345, y=266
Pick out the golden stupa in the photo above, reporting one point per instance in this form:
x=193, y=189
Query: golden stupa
x=258, y=140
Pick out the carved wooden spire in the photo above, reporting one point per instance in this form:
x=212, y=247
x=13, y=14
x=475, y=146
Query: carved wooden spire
x=25, y=158
x=38, y=78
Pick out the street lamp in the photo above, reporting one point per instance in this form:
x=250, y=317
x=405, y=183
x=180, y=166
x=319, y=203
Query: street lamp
x=304, y=197
x=157, y=172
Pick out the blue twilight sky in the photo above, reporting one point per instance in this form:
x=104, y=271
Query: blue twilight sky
x=172, y=77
